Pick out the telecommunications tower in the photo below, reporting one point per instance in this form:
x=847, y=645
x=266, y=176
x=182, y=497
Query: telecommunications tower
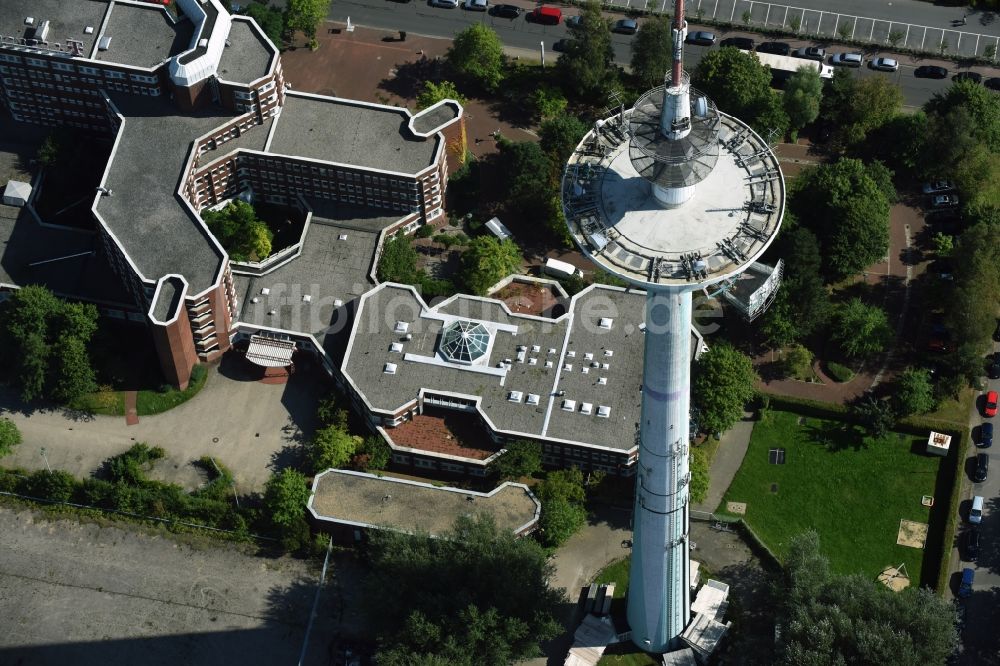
x=675, y=197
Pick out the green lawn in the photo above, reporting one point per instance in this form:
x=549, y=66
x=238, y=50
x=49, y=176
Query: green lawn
x=617, y=573
x=851, y=489
x=112, y=403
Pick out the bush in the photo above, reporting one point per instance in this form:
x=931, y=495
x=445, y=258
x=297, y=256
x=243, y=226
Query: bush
x=56, y=485
x=425, y=231
x=127, y=468
x=10, y=436
x=838, y=372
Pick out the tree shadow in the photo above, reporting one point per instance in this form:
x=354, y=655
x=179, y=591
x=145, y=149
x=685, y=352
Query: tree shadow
x=835, y=436
x=410, y=77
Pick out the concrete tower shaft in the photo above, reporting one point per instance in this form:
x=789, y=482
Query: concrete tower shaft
x=659, y=593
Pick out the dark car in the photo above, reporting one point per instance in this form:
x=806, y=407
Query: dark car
x=701, y=38
x=561, y=45
x=982, y=468
x=975, y=77
x=742, y=43
x=992, y=83
x=986, y=435
x=810, y=53
x=625, y=27
x=965, y=587
x=777, y=48
x=930, y=72
x=506, y=11
x=994, y=369
x=971, y=544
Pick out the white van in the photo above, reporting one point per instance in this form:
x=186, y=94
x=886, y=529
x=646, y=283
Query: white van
x=976, y=512
x=558, y=268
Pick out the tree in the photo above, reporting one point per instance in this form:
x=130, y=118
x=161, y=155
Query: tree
x=735, y=80
x=803, y=93
x=913, y=392
x=398, y=262
x=331, y=447
x=55, y=485
x=522, y=458
x=49, y=152
x=796, y=360
x=374, y=454
x=836, y=619
x=487, y=260
x=306, y=15
x=548, y=102
x=243, y=235
x=854, y=108
x=477, y=597
x=270, y=19
x=943, y=244
x=846, y=204
x=878, y=416
x=860, y=330
x=587, y=67
x=477, y=52
x=698, y=464
x=722, y=385
x=533, y=188
x=285, y=497
x=72, y=374
x=560, y=136
x=10, y=436
x=562, y=496
x=652, y=55
x=45, y=341
x=432, y=93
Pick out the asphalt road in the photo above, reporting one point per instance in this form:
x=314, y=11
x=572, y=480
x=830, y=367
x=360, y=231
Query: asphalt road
x=518, y=34
x=982, y=612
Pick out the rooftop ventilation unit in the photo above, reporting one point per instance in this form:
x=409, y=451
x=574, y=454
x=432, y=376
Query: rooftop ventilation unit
x=307, y=298
x=642, y=327
x=571, y=354
x=548, y=364
x=265, y=291
x=569, y=405
x=602, y=381
x=396, y=347
x=42, y=31
x=605, y=366
x=520, y=355
x=532, y=399
x=389, y=369
x=532, y=361
x=515, y=396
x=588, y=356
x=337, y=303
x=585, y=370
x=586, y=408
x=203, y=43
x=401, y=327
x=568, y=367
x=30, y=20
x=255, y=300
x=604, y=411
x=89, y=30
x=595, y=364
x=104, y=44
x=535, y=349
x=342, y=237
x=606, y=322
x=552, y=350
x=608, y=352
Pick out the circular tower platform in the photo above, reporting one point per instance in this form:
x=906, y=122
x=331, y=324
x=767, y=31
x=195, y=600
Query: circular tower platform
x=728, y=221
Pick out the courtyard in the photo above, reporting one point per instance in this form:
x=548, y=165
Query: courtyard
x=804, y=473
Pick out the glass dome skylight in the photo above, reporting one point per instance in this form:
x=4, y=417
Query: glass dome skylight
x=465, y=342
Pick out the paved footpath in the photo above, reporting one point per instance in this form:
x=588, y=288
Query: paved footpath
x=728, y=458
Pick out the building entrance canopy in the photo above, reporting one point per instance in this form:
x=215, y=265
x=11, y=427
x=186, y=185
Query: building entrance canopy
x=270, y=352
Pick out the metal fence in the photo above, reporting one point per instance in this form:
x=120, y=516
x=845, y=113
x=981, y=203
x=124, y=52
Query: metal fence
x=815, y=23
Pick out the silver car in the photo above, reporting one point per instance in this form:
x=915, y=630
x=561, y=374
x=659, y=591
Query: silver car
x=885, y=64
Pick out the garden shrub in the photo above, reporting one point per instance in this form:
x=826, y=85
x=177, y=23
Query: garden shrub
x=839, y=373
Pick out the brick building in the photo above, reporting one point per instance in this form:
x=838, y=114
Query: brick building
x=200, y=113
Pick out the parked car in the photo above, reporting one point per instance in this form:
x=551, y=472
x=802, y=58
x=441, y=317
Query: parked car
x=992, y=83
x=701, y=38
x=810, y=53
x=476, y=5
x=449, y=4
x=975, y=77
x=938, y=186
x=965, y=587
x=976, y=510
x=971, y=544
x=574, y=21
x=776, y=48
x=561, y=45
x=944, y=201
x=930, y=72
x=625, y=27
x=982, y=468
x=506, y=11
x=847, y=59
x=885, y=64
x=742, y=43
x=994, y=369
x=986, y=435
x=546, y=15
x=990, y=406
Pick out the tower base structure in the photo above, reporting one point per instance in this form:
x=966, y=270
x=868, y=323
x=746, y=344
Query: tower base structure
x=659, y=605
